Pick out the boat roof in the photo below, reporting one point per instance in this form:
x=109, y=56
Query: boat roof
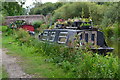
x=67, y=30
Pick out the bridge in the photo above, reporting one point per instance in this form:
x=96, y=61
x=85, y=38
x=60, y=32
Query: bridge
x=28, y=18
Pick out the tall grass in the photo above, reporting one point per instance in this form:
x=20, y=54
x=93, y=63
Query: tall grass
x=4, y=74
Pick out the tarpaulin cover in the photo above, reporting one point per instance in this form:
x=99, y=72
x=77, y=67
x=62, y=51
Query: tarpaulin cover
x=28, y=27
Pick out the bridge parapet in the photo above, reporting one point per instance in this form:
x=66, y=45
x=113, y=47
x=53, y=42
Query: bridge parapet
x=28, y=18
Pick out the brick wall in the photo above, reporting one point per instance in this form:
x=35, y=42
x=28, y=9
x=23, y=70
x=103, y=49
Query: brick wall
x=27, y=18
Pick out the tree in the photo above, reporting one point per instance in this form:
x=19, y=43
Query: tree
x=45, y=8
x=112, y=15
x=81, y=9
x=11, y=8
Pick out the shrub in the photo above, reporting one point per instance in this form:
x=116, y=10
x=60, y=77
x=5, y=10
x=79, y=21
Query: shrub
x=6, y=30
x=37, y=24
x=97, y=66
x=44, y=26
x=22, y=36
x=3, y=28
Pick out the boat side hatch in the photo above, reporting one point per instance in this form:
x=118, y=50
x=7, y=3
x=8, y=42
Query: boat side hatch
x=45, y=35
x=62, y=37
x=51, y=36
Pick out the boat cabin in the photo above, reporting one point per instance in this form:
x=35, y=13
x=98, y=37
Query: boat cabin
x=65, y=36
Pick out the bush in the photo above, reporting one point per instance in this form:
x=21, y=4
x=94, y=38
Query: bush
x=44, y=26
x=22, y=36
x=3, y=28
x=97, y=66
x=37, y=24
x=6, y=30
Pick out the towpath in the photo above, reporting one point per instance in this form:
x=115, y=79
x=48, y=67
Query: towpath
x=10, y=64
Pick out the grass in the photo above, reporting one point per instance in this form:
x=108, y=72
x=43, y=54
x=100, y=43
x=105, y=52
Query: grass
x=0, y=72
x=32, y=63
x=0, y=28
x=3, y=28
x=4, y=74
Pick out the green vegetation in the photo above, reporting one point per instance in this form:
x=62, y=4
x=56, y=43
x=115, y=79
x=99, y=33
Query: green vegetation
x=37, y=24
x=112, y=35
x=10, y=10
x=45, y=8
x=3, y=28
x=100, y=14
x=70, y=62
x=0, y=71
x=0, y=28
x=4, y=73
x=40, y=26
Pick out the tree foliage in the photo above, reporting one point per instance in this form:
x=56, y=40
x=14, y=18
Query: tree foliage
x=45, y=8
x=81, y=9
x=105, y=13
x=11, y=8
x=112, y=15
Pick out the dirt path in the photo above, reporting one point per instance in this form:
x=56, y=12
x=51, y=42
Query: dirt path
x=13, y=69
x=11, y=66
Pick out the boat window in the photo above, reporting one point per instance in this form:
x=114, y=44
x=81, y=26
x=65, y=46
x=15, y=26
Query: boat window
x=62, y=37
x=86, y=37
x=81, y=37
x=52, y=36
x=45, y=34
x=81, y=34
x=93, y=37
x=62, y=40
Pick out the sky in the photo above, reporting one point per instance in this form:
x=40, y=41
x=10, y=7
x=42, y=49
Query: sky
x=29, y=2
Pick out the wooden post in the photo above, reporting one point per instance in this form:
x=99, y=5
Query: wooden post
x=89, y=36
